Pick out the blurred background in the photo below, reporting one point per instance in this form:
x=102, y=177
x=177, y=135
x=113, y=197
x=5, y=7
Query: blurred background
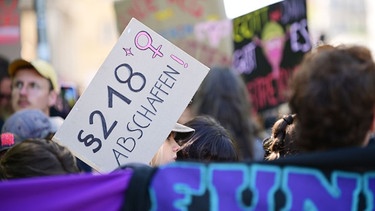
x=76, y=36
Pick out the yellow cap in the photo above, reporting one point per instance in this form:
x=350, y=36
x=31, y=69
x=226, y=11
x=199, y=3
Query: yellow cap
x=42, y=67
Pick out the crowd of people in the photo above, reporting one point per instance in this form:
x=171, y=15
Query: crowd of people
x=331, y=105
x=29, y=90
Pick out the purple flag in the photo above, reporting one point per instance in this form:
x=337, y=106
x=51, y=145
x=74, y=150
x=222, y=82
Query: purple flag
x=66, y=192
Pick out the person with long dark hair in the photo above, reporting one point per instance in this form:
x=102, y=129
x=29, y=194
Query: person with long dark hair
x=210, y=142
x=223, y=95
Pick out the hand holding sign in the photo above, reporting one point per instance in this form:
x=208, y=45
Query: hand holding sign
x=133, y=102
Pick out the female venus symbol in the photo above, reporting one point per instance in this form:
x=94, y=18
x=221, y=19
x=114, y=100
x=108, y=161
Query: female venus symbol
x=148, y=44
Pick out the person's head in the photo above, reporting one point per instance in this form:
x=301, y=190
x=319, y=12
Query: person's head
x=332, y=94
x=37, y=157
x=210, y=142
x=167, y=151
x=34, y=85
x=5, y=92
x=5, y=89
x=282, y=141
x=28, y=123
x=224, y=96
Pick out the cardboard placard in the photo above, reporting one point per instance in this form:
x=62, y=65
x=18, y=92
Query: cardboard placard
x=133, y=102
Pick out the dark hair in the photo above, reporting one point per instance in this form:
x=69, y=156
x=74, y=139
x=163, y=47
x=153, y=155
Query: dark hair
x=4, y=63
x=282, y=140
x=223, y=95
x=333, y=94
x=210, y=142
x=37, y=157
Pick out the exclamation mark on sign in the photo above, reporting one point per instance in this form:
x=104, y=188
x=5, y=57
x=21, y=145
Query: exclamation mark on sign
x=179, y=61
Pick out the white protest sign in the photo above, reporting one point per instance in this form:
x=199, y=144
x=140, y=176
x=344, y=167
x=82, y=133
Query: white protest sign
x=133, y=102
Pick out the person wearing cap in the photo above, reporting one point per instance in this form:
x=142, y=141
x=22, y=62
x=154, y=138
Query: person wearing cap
x=35, y=86
x=211, y=142
x=168, y=150
x=24, y=124
x=28, y=123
